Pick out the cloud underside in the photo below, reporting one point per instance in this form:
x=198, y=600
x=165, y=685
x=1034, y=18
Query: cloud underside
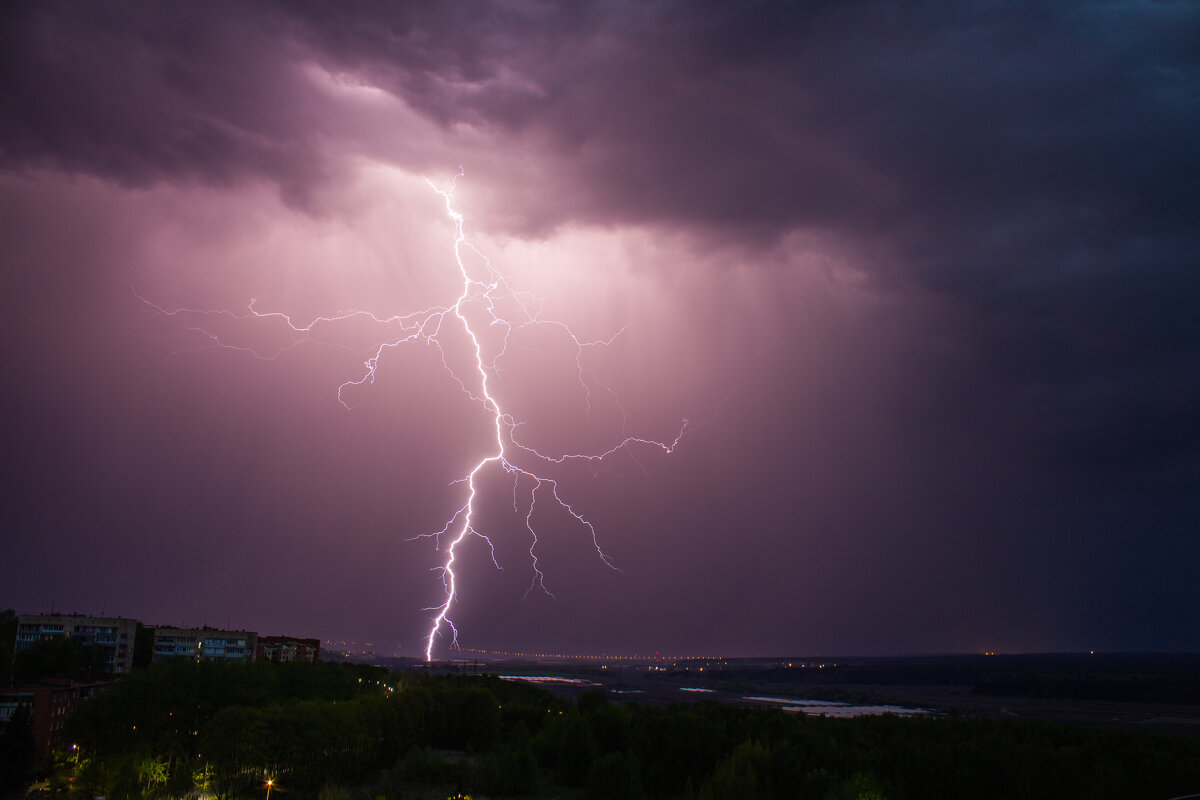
x=1012, y=188
x=1029, y=163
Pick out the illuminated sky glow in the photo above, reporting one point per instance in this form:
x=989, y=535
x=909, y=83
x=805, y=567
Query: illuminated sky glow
x=928, y=277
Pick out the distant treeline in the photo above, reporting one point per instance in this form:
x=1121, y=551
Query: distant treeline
x=1181, y=690
x=1123, y=677
x=342, y=732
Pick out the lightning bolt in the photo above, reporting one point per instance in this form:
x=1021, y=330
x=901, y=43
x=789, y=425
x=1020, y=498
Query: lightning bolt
x=479, y=307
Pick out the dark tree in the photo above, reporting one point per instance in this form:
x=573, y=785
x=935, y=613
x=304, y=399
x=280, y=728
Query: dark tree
x=616, y=776
x=57, y=655
x=143, y=647
x=576, y=749
x=18, y=754
x=8, y=642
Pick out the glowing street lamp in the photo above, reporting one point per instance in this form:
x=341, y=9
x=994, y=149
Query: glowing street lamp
x=270, y=783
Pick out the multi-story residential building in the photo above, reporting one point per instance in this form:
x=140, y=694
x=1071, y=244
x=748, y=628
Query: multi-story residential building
x=204, y=644
x=114, y=635
x=288, y=648
x=48, y=702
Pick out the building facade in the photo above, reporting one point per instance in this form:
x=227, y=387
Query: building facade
x=282, y=649
x=47, y=703
x=204, y=644
x=113, y=635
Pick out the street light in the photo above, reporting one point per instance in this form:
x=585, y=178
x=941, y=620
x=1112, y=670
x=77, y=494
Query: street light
x=270, y=783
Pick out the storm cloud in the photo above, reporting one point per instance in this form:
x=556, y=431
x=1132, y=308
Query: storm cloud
x=927, y=274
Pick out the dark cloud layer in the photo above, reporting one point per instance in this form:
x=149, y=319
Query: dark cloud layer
x=1012, y=186
x=871, y=116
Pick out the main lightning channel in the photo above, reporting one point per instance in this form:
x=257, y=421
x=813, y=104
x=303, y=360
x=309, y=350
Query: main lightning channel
x=505, y=427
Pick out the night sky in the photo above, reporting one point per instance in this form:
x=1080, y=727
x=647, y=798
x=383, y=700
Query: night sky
x=925, y=282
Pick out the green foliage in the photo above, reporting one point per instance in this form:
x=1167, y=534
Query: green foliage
x=513, y=770
x=591, y=701
x=234, y=743
x=616, y=776
x=17, y=754
x=153, y=774
x=8, y=642
x=678, y=742
x=860, y=787
x=527, y=716
x=222, y=722
x=143, y=647
x=576, y=749
x=333, y=791
x=509, y=773
x=311, y=742
x=744, y=773
x=611, y=728
x=464, y=716
x=161, y=710
x=221, y=728
x=426, y=766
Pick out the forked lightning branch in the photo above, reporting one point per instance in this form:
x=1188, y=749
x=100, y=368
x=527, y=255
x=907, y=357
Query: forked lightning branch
x=487, y=311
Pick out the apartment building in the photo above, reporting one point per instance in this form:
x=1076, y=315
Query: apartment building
x=282, y=649
x=204, y=644
x=113, y=635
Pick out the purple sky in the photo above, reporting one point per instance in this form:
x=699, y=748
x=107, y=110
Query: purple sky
x=924, y=281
